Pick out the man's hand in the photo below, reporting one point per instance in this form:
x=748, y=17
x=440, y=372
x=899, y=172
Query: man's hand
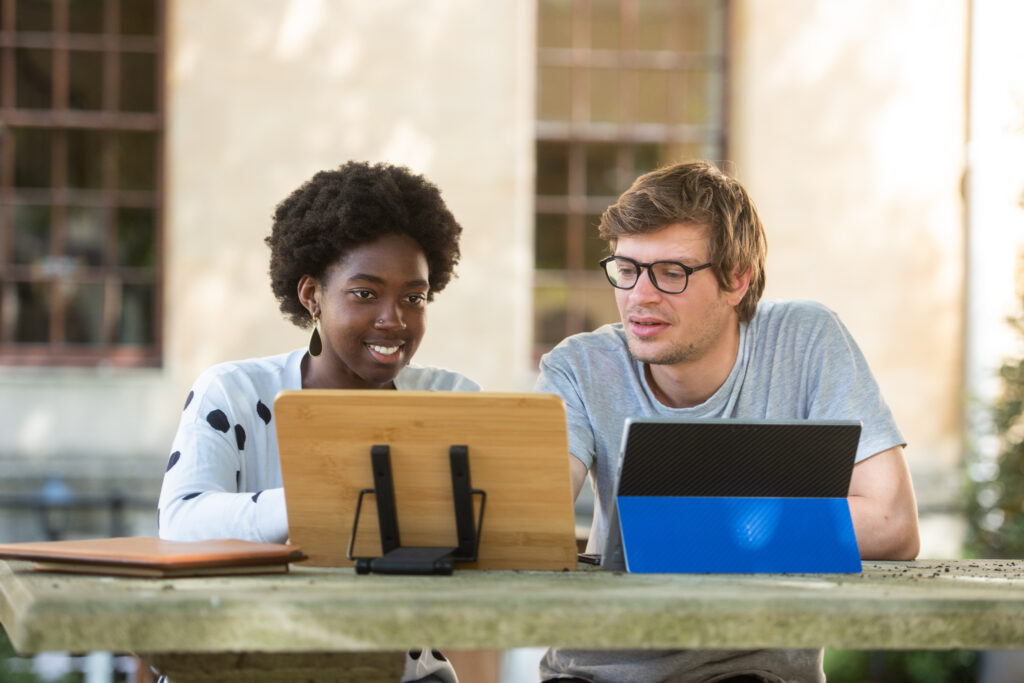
x=883, y=507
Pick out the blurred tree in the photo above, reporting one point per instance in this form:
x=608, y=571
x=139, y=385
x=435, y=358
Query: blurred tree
x=10, y=672
x=894, y=666
x=995, y=503
x=995, y=500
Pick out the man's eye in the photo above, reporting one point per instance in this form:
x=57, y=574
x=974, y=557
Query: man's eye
x=626, y=271
x=673, y=273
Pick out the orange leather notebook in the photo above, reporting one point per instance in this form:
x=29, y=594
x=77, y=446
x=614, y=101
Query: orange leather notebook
x=153, y=557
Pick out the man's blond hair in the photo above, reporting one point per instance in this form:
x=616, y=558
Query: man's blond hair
x=699, y=193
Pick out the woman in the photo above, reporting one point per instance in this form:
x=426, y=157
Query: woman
x=357, y=252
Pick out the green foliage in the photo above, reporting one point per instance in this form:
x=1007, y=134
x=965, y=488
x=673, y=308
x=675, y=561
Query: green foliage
x=891, y=666
x=11, y=674
x=995, y=501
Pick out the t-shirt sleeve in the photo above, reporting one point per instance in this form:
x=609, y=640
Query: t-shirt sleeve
x=200, y=496
x=557, y=377
x=843, y=387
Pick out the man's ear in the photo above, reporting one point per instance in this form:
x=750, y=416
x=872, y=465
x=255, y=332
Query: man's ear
x=309, y=294
x=740, y=285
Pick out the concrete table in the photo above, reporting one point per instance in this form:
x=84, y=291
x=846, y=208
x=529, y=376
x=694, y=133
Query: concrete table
x=331, y=624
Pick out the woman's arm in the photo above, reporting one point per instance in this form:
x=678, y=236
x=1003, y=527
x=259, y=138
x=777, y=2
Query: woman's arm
x=223, y=474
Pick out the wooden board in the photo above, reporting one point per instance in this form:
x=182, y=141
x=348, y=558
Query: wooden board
x=518, y=454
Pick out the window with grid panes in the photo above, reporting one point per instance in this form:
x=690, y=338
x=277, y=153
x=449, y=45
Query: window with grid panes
x=623, y=87
x=81, y=124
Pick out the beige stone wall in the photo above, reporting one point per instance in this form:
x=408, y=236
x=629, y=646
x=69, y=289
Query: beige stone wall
x=260, y=95
x=848, y=127
x=266, y=93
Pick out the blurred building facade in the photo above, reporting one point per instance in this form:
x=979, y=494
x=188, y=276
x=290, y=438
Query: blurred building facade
x=882, y=142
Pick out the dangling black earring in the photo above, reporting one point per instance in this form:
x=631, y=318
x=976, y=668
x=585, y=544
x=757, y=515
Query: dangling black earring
x=316, y=345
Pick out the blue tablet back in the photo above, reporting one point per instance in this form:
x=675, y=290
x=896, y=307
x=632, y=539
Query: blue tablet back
x=735, y=496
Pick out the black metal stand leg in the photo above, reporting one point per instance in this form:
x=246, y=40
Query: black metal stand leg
x=396, y=559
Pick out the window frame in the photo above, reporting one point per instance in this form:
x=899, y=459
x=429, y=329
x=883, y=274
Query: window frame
x=578, y=133
x=61, y=122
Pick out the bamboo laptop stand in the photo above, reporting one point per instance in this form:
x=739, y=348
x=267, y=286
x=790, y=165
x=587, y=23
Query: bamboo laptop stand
x=412, y=481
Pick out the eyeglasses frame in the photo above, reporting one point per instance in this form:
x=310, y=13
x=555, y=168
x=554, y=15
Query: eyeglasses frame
x=689, y=270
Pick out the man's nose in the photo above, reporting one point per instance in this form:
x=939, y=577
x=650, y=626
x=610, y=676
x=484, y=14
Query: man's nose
x=644, y=289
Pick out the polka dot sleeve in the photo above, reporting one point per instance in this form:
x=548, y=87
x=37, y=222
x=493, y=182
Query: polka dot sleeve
x=222, y=478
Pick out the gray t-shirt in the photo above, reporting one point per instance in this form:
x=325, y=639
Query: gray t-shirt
x=796, y=360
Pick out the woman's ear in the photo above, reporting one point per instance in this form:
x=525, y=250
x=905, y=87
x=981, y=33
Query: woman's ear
x=309, y=294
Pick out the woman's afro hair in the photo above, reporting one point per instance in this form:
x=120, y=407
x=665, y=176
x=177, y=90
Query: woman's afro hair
x=335, y=211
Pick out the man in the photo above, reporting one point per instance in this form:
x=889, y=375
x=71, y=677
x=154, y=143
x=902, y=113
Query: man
x=687, y=265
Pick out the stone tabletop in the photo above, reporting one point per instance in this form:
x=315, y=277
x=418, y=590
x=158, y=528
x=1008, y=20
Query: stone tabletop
x=900, y=605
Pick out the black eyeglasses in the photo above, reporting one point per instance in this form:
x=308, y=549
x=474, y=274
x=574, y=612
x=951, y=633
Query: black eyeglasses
x=670, y=277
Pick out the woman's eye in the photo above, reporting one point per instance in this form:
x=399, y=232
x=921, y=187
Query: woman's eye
x=362, y=293
x=417, y=299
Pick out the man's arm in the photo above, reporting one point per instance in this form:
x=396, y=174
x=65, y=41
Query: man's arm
x=578, y=475
x=883, y=507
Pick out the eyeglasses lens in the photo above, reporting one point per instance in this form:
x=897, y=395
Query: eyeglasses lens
x=621, y=273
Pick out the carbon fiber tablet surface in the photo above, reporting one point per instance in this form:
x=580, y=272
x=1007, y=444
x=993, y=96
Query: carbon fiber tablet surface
x=748, y=458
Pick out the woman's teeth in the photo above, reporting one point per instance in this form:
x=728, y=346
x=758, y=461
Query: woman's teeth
x=384, y=350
